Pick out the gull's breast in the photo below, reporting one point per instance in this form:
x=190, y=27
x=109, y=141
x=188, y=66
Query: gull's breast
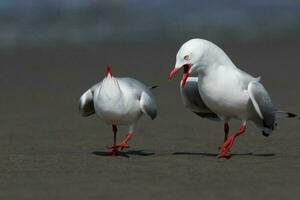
x=224, y=96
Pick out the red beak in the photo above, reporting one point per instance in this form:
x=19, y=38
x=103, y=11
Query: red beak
x=109, y=70
x=186, y=74
x=173, y=73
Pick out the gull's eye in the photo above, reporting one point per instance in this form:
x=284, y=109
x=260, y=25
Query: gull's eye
x=187, y=57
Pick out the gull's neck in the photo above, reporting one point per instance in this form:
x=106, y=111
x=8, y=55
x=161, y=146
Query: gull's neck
x=213, y=58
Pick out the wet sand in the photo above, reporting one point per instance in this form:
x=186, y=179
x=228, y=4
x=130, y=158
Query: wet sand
x=48, y=151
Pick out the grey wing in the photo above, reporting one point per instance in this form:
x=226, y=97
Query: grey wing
x=86, y=102
x=148, y=104
x=145, y=96
x=262, y=104
x=192, y=100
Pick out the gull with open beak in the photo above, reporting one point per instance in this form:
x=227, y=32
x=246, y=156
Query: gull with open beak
x=118, y=101
x=222, y=91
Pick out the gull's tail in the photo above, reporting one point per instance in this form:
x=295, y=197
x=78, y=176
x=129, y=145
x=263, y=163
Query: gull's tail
x=279, y=114
x=153, y=87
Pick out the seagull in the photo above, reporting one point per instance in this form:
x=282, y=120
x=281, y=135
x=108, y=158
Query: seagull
x=118, y=101
x=222, y=91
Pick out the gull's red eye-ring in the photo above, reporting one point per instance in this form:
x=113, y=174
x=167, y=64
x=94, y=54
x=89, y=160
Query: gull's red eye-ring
x=187, y=57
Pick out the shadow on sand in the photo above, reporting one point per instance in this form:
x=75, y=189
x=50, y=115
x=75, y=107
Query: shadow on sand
x=234, y=154
x=125, y=153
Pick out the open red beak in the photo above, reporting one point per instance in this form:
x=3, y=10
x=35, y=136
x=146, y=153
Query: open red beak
x=185, y=76
x=173, y=73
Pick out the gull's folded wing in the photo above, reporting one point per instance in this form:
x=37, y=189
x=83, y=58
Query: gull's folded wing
x=148, y=105
x=192, y=100
x=86, y=102
x=143, y=93
x=262, y=104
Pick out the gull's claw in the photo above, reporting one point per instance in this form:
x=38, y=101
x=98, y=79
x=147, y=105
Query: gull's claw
x=225, y=153
x=122, y=145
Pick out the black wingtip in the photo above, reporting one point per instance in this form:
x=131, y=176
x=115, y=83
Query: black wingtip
x=153, y=116
x=265, y=134
x=153, y=87
x=291, y=115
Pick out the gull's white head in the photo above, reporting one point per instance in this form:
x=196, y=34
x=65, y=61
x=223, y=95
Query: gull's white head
x=189, y=58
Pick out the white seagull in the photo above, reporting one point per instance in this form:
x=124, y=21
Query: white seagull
x=222, y=91
x=118, y=101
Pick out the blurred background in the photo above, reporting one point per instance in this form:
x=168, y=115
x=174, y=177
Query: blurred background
x=51, y=51
x=81, y=22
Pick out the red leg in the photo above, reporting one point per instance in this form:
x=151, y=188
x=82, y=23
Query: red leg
x=124, y=144
x=114, y=151
x=226, y=146
x=226, y=131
